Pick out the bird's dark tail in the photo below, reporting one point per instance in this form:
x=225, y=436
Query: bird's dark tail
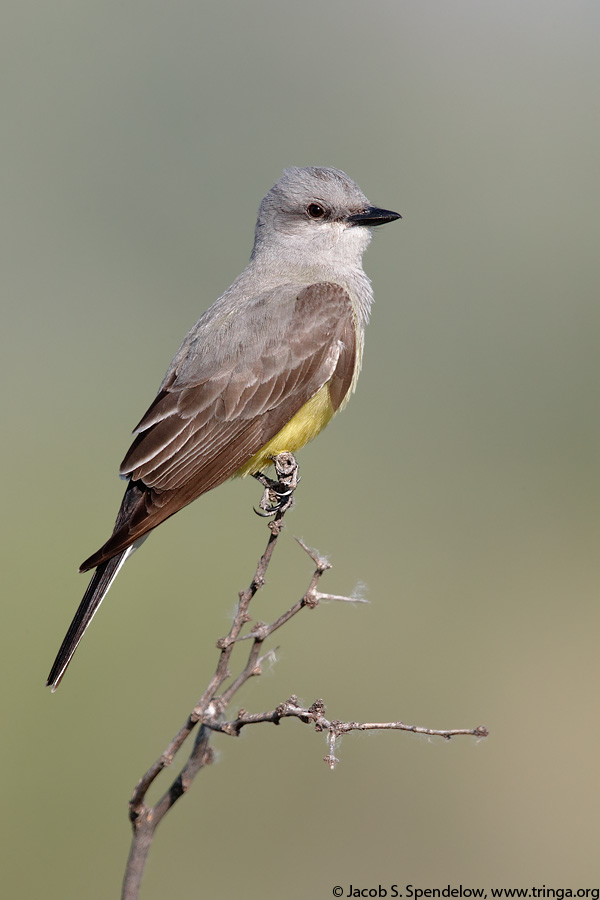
x=102, y=579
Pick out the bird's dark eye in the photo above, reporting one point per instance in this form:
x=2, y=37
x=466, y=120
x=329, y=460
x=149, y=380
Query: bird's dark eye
x=315, y=211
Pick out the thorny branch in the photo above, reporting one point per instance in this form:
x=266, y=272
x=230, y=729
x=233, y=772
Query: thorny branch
x=210, y=709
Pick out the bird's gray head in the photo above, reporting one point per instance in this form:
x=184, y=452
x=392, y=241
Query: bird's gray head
x=311, y=219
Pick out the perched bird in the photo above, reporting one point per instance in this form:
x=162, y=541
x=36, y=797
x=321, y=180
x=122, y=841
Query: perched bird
x=262, y=371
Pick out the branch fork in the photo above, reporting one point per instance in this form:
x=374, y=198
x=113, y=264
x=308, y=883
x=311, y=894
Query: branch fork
x=212, y=706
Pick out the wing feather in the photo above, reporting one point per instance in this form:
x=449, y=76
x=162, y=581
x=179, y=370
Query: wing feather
x=211, y=418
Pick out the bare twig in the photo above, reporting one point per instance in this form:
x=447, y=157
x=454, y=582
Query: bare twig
x=211, y=707
x=315, y=715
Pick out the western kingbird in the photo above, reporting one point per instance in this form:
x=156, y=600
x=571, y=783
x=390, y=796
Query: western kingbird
x=262, y=371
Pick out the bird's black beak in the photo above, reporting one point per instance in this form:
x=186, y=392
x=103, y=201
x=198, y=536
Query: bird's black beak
x=373, y=216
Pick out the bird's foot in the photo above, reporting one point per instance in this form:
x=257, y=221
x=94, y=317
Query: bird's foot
x=278, y=495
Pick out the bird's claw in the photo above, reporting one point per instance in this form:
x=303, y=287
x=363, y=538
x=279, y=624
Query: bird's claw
x=278, y=495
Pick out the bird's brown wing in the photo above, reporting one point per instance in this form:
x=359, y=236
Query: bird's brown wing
x=200, y=430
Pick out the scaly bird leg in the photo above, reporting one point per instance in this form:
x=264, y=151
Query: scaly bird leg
x=278, y=495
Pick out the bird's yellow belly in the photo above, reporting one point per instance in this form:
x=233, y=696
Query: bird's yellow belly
x=302, y=428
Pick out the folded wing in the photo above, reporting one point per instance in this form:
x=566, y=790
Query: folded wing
x=220, y=405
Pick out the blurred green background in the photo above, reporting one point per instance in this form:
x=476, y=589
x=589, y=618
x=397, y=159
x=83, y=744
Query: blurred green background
x=461, y=485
